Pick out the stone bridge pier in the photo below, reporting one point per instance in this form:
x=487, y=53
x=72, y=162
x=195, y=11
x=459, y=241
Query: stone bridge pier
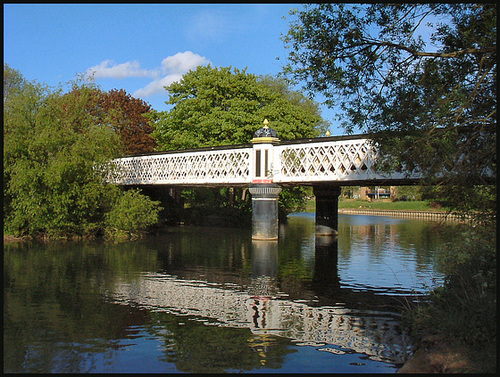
x=265, y=198
x=327, y=209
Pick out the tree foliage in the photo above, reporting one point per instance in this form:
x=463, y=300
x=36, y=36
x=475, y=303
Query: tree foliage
x=220, y=106
x=132, y=212
x=52, y=146
x=125, y=114
x=430, y=102
x=128, y=119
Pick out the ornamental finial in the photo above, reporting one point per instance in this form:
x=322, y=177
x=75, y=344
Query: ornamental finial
x=265, y=135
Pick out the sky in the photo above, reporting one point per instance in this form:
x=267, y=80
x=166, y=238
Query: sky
x=143, y=47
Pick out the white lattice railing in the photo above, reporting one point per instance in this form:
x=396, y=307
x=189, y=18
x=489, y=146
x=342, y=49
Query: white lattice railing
x=345, y=160
x=352, y=160
x=227, y=166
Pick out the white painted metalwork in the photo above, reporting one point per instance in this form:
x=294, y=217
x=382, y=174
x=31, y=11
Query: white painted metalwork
x=345, y=160
x=226, y=166
x=309, y=162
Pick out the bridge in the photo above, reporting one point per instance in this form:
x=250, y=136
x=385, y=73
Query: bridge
x=265, y=165
x=340, y=160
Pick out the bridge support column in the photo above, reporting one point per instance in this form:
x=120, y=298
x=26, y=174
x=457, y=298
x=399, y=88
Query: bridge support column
x=327, y=209
x=264, y=210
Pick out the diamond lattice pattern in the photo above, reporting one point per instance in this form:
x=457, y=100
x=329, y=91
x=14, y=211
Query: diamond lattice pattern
x=227, y=166
x=328, y=161
x=351, y=160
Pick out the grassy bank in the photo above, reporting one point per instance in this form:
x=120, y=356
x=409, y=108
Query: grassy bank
x=381, y=205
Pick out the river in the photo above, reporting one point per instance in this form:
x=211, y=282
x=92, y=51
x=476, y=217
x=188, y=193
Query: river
x=211, y=300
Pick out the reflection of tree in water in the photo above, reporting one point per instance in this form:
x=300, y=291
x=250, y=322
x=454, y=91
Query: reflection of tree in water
x=54, y=316
x=241, y=302
x=62, y=339
x=187, y=248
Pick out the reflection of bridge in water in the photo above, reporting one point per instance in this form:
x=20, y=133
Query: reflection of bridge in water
x=264, y=310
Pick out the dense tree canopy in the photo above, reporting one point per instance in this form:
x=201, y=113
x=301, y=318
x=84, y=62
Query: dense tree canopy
x=53, y=145
x=430, y=101
x=128, y=119
x=220, y=106
x=124, y=113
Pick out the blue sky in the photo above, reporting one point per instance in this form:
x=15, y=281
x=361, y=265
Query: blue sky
x=142, y=47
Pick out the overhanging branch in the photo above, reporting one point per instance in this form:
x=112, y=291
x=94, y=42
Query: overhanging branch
x=453, y=54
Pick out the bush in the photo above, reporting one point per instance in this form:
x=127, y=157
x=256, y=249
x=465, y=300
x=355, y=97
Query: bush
x=131, y=214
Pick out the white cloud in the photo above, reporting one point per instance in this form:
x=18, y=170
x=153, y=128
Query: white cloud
x=157, y=86
x=109, y=69
x=173, y=67
x=171, y=70
x=182, y=62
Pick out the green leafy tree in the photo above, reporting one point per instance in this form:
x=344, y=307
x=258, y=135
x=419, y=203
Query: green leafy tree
x=281, y=86
x=52, y=146
x=431, y=104
x=220, y=106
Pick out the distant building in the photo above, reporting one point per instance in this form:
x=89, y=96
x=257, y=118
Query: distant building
x=375, y=193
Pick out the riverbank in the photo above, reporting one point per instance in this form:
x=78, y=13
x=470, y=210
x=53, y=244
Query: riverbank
x=408, y=214
x=383, y=204
x=440, y=354
x=455, y=331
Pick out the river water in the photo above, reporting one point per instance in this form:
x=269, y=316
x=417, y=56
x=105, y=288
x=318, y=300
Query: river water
x=211, y=300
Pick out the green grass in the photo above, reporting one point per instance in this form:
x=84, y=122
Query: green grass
x=365, y=204
x=408, y=206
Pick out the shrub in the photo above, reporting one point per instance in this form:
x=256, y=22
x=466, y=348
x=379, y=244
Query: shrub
x=131, y=214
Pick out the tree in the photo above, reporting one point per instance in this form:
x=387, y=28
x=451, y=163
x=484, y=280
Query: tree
x=217, y=106
x=13, y=82
x=127, y=116
x=129, y=120
x=52, y=146
x=282, y=86
x=430, y=104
